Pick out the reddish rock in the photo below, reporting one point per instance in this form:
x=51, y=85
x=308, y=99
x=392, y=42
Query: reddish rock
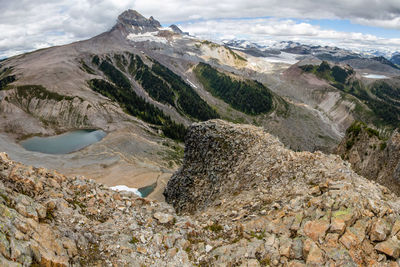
x=337, y=226
x=349, y=239
x=316, y=229
x=380, y=229
x=390, y=247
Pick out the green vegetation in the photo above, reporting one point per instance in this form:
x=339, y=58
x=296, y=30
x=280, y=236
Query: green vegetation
x=25, y=93
x=6, y=71
x=116, y=76
x=174, y=154
x=134, y=240
x=349, y=144
x=250, y=97
x=259, y=236
x=354, y=131
x=215, y=227
x=383, y=145
x=156, y=87
x=162, y=85
x=7, y=80
x=210, y=44
x=121, y=61
x=340, y=75
x=96, y=60
x=355, y=128
x=188, y=100
x=371, y=132
x=381, y=98
x=166, y=87
x=384, y=91
x=137, y=106
x=336, y=75
x=39, y=92
x=86, y=68
x=235, y=55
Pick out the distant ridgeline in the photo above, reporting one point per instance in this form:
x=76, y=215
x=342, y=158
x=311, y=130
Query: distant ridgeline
x=159, y=82
x=381, y=97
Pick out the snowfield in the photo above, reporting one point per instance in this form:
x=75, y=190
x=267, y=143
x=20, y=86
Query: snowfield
x=125, y=188
x=374, y=76
x=148, y=36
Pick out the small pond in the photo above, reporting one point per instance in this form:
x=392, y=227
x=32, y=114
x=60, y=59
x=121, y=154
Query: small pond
x=64, y=143
x=141, y=192
x=147, y=190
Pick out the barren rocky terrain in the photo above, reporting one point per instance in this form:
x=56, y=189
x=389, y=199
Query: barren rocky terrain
x=242, y=199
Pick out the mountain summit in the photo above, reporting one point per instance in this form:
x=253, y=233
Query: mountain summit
x=131, y=21
x=133, y=18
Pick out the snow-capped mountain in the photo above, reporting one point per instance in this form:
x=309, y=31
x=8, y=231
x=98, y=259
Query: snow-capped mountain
x=322, y=52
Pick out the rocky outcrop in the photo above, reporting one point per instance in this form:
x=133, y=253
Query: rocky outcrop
x=216, y=153
x=134, y=20
x=263, y=205
x=267, y=205
x=373, y=156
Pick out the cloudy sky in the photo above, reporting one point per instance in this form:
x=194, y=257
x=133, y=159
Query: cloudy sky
x=26, y=25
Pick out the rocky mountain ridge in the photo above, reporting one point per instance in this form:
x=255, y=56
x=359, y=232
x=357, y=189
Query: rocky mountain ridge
x=275, y=207
x=68, y=71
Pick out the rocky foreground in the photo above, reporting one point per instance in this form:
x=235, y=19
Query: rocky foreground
x=242, y=198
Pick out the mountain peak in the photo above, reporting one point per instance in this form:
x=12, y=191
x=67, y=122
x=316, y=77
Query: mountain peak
x=175, y=29
x=133, y=18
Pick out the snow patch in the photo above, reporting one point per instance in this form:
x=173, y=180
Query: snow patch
x=147, y=36
x=166, y=29
x=283, y=57
x=125, y=188
x=191, y=84
x=374, y=76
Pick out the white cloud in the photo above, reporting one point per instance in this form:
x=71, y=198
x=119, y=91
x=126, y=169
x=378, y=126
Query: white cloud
x=387, y=12
x=28, y=24
x=263, y=31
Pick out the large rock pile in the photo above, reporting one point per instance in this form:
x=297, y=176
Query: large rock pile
x=267, y=205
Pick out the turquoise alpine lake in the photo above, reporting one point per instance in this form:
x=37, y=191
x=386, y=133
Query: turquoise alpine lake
x=64, y=143
x=147, y=190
